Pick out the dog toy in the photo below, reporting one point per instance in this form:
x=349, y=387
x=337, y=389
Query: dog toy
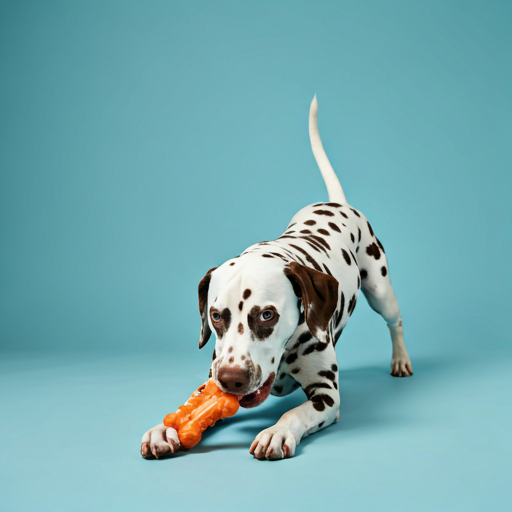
x=204, y=408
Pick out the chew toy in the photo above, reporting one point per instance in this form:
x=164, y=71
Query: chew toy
x=204, y=408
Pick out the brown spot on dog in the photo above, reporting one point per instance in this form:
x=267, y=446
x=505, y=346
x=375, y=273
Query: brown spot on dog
x=230, y=349
x=306, y=231
x=334, y=227
x=310, y=222
x=273, y=360
x=261, y=328
x=232, y=263
x=240, y=328
x=241, y=305
x=291, y=358
x=221, y=325
x=373, y=250
x=231, y=359
x=308, y=257
x=321, y=240
x=268, y=256
x=247, y=294
x=324, y=212
x=242, y=357
x=346, y=257
x=324, y=232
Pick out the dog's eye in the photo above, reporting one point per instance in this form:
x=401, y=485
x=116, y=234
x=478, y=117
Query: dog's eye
x=267, y=315
x=216, y=317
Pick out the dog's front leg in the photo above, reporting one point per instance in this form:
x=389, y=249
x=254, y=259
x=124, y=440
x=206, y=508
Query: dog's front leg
x=318, y=377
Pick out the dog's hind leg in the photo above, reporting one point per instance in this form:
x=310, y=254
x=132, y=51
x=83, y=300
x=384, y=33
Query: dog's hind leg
x=379, y=293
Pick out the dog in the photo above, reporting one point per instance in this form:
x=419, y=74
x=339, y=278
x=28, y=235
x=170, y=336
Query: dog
x=278, y=309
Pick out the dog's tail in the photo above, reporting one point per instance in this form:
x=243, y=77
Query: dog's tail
x=332, y=183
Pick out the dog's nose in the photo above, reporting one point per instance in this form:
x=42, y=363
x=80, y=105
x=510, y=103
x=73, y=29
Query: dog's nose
x=234, y=379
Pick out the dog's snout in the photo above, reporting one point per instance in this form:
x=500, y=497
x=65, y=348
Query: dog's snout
x=234, y=379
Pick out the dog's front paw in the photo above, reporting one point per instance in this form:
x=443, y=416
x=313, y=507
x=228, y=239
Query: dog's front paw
x=159, y=442
x=274, y=443
x=401, y=366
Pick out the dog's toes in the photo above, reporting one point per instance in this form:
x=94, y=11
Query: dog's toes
x=401, y=367
x=159, y=442
x=274, y=443
x=145, y=451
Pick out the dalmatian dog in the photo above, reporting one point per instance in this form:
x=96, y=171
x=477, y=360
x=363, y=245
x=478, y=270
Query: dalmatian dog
x=278, y=309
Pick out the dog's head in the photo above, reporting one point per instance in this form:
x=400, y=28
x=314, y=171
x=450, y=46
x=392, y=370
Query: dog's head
x=252, y=303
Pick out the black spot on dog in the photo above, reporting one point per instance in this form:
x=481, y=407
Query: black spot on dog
x=370, y=228
x=353, y=257
x=352, y=305
x=291, y=358
x=364, y=274
x=358, y=282
x=335, y=385
x=334, y=367
x=295, y=371
x=260, y=328
x=309, y=349
x=306, y=231
x=231, y=359
x=279, y=256
x=344, y=215
x=327, y=269
x=380, y=245
x=358, y=235
x=318, y=404
x=324, y=232
x=279, y=389
x=272, y=361
x=321, y=240
x=352, y=238
x=346, y=256
x=282, y=376
x=373, y=250
x=311, y=389
x=305, y=337
x=327, y=374
x=334, y=205
x=310, y=222
x=324, y=212
x=334, y=227
x=308, y=257
x=355, y=212
x=247, y=293
x=321, y=346
x=268, y=256
x=384, y=271
x=320, y=424
x=241, y=305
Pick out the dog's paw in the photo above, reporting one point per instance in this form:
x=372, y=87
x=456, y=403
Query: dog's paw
x=159, y=442
x=401, y=366
x=273, y=443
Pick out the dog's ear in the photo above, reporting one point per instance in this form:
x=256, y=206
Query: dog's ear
x=206, y=332
x=319, y=294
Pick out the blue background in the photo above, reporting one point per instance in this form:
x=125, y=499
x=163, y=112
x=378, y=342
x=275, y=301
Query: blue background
x=143, y=143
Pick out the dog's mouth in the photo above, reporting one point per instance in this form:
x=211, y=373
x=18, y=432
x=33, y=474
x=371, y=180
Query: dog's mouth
x=259, y=396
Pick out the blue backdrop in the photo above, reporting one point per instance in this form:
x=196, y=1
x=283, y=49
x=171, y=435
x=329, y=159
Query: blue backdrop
x=143, y=143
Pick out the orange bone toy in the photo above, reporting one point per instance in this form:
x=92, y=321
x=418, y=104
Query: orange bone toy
x=204, y=408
